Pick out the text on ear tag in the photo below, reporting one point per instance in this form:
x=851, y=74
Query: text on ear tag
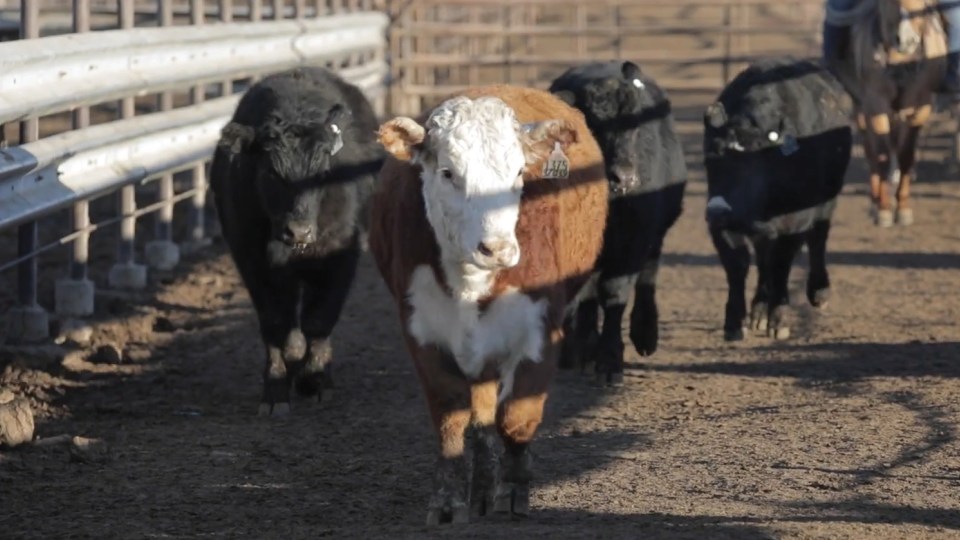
x=789, y=145
x=557, y=165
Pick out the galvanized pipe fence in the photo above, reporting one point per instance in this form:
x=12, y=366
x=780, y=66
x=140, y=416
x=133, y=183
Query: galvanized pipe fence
x=151, y=57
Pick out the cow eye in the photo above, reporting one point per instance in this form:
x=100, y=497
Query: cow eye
x=446, y=174
x=520, y=172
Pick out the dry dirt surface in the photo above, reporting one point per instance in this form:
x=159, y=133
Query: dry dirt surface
x=847, y=430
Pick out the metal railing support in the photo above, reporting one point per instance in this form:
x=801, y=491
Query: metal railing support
x=28, y=321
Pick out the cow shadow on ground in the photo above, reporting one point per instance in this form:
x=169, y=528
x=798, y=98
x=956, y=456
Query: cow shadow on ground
x=835, y=362
x=901, y=260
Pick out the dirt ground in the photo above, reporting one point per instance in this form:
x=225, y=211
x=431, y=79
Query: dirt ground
x=847, y=430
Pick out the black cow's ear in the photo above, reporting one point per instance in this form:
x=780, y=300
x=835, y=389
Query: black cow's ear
x=716, y=115
x=337, y=114
x=630, y=70
x=567, y=96
x=236, y=137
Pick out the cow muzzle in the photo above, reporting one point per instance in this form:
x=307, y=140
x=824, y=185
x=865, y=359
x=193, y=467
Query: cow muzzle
x=623, y=179
x=298, y=233
x=718, y=211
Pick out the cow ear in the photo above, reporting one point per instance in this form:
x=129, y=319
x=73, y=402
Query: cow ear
x=540, y=138
x=715, y=115
x=403, y=137
x=630, y=70
x=236, y=138
x=338, y=114
x=566, y=96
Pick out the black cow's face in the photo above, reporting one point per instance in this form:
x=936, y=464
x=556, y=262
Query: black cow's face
x=613, y=109
x=744, y=154
x=293, y=165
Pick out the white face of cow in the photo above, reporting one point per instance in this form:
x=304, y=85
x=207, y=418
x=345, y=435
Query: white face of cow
x=473, y=154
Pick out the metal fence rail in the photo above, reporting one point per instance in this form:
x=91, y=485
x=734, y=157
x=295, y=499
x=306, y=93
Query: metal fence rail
x=83, y=71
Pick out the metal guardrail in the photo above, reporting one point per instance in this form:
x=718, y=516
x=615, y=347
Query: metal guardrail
x=50, y=174
x=72, y=72
x=147, y=60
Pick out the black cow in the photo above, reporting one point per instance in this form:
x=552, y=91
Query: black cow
x=776, y=148
x=291, y=178
x=631, y=118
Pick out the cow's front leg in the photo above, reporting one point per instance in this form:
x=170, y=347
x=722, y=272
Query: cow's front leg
x=614, y=294
x=323, y=300
x=783, y=251
x=518, y=417
x=277, y=314
x=735, y=258
x=448, y=397
x=760, y=304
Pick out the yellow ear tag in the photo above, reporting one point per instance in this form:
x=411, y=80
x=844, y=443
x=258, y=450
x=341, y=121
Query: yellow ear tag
x=557, y=165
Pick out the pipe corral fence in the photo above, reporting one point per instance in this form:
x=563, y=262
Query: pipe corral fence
x=122, y=101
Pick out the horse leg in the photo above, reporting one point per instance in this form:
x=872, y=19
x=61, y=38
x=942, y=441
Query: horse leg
x=907, y=158
x=876, y=144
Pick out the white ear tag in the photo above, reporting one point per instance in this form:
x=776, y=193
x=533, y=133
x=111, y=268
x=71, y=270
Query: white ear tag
x=638, y=83
x=338, y=142
x=789, y=145
x=557, y=165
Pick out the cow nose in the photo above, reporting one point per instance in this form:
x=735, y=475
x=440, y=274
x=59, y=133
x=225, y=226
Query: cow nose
x=623, y=177
x=718, y=210
x=298, y=233
x=502, y=252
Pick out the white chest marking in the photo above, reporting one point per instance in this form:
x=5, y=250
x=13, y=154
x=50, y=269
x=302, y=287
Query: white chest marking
x=509, y=331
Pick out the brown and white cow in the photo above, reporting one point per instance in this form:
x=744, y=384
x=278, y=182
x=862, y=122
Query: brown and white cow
x=487, y=221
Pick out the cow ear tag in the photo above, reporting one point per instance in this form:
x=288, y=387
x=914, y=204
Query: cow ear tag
x=338, y=142
x=557, y=165
x=789, y=145
x=638, y=83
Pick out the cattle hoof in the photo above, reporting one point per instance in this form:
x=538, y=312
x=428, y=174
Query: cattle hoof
x=276, y=410
x=312, y=384
x=819, y=299
x=758, y=317
x=780, y=333
x=884, y=218
x=608, y=379
x=905, y=216
x=735, y=334
x=456, y=515
x=513, y=499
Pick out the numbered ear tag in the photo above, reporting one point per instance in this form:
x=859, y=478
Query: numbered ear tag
x=557, y=165
x=789, y=145
x=638, y=83
x=338, y=142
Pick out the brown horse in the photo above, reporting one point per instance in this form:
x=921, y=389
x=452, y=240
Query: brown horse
x=896, y=60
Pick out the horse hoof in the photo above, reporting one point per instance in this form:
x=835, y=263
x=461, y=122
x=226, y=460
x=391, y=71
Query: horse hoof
x=884, y=218
x=905, y=216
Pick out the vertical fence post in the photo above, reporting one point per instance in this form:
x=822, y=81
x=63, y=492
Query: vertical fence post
x=126, y=273
x=197, y=237
x=162, y=253
x=74, y=296
x=727, y=44
x=27, y=321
